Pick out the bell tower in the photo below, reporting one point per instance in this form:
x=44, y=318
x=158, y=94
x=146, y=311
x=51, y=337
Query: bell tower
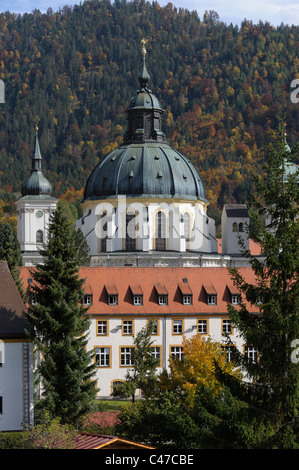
x=34, y=209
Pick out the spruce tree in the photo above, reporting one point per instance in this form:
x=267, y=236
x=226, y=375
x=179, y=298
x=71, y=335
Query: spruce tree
x=10, y=252
x=60, y=324
x=272, y=392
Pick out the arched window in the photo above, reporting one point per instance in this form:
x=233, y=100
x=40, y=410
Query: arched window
x=39, y=236
x=235, y=227
x=130, y=232
x=187, y=226
x=104, y=227
x=115, y=384
x=241, y=227
x=160, y=232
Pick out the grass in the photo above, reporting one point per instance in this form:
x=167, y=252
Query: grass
x=110, y=405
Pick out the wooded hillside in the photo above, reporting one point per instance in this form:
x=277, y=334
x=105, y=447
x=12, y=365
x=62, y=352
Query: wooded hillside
x=222, y=88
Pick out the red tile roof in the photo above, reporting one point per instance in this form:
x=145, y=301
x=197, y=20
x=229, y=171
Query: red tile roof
x=97, y=441
x=144, y=280
x=12, y=320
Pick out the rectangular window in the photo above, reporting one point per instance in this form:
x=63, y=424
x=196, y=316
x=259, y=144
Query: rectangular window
x=212, y=299
x=187, y=299
x=236, y=299
x=87, y=300
x=112, y=299
x=251, y=353
x=177, y=327
x=228, y=351
x=127, y=327
x=155, y=330
x=126, y=356
x=227, y=327
x=163, y=300
x=176, y=352
x=202, y=327
x=137, y=299
x=156, y=352
x=1, y=405
x=102, y=327
x=102, y=356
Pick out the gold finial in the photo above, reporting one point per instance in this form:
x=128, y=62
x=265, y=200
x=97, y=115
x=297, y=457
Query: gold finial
x=36, y=121
x=143, y=42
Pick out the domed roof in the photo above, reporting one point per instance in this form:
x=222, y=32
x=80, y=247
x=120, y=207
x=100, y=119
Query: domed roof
x=36, y=184
x=145, y=165
x=145, y=170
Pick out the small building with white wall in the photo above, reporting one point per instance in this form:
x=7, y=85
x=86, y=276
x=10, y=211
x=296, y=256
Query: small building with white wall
x=16, y=357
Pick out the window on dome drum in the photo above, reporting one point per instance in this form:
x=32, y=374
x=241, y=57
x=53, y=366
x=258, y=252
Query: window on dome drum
x=160, y=231
x=212, y=299
x=126, y=356
x=202, y=327
x=127, y=327
x=177, y=327
x=187, y=299
x=103, y=356
x=130, y=232
x=251, y=353
x=187, y=226
x=87, y=300
x=102, y=327
x=137, y=300
x=103, y=240
x=236, y=299
x=227, y=327
x=176, y=352
x=112, y=299
x=39, y=236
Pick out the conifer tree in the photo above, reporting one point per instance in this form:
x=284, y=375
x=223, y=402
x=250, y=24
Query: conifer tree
x=60, y=324
x=11, y=253
x=272, y=333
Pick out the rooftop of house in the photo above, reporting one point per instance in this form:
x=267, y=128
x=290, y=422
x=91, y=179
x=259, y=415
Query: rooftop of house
x=153, y=290
x=12, y=320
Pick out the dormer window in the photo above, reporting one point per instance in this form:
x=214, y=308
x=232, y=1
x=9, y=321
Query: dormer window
x=187, y=299
x=162, y=293
x=137, y=299
x=212, y=299
x=87, y=299
x=236, y=299
x=112, y=294
x=163, y=299
x=112, y=299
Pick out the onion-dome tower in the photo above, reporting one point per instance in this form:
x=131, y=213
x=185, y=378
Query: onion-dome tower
x=145, y=195
x=34, y=209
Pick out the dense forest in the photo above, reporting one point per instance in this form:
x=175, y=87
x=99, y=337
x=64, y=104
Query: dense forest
x=223, y=89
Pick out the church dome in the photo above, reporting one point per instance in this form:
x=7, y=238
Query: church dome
x=148, y=169
x=145, y=165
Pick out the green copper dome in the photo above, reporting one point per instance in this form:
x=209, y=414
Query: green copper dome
x=145, y=165
x=36, y=184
